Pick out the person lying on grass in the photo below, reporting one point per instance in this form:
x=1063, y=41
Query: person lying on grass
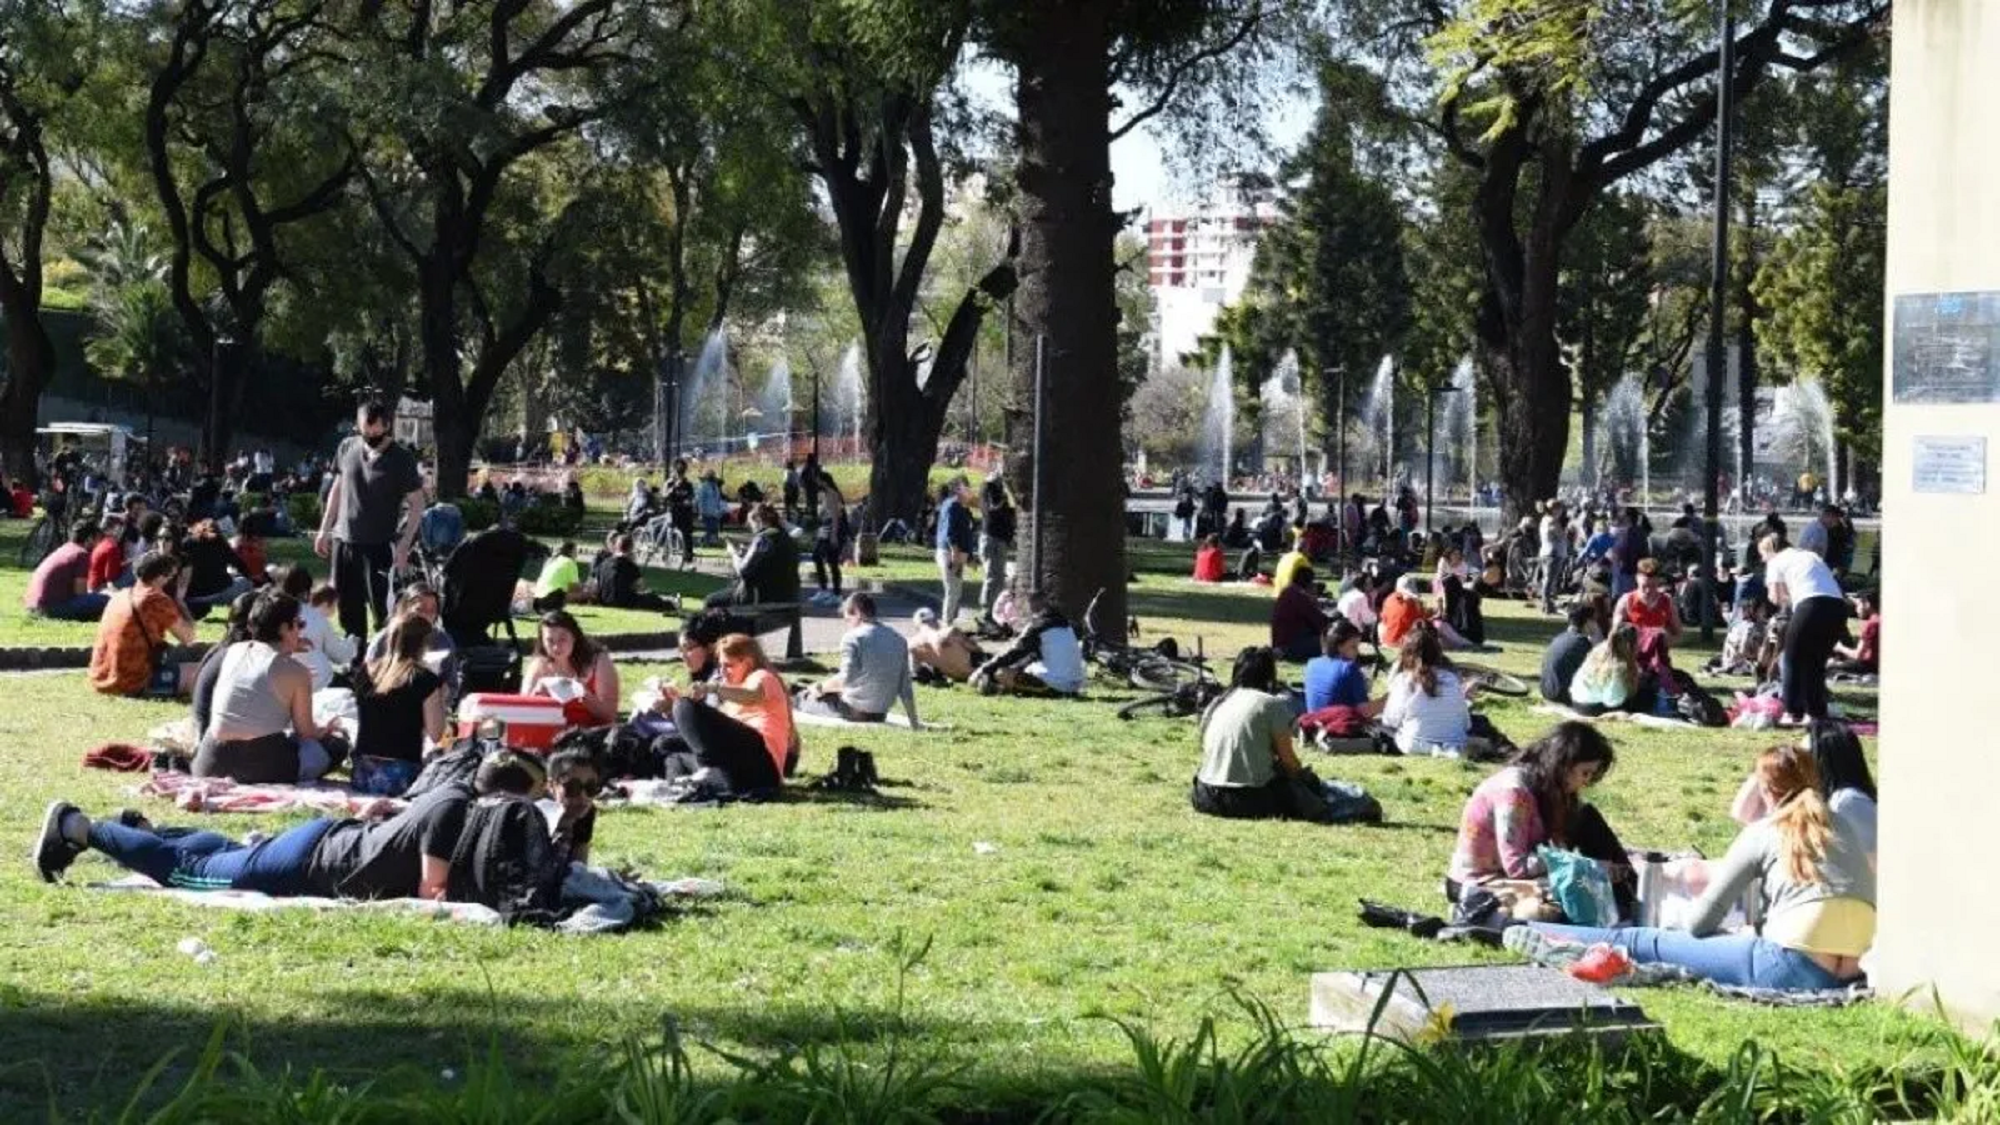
x=1538, y=799
x=571, y=803
x=405, y=856
x=1817, y=896
x=1247, y=759
x=1046, y=659
x=944, y=650
x=874, y=672
x=131, y=656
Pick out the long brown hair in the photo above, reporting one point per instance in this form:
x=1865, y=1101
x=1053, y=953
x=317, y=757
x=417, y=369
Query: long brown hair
x=402, y=655
x=1804, y=825
x=1620, y=650
x=1423, y=655
x=582, y=653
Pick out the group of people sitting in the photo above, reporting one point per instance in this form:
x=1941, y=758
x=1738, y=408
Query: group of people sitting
x=80, y=578
x=1806, y=853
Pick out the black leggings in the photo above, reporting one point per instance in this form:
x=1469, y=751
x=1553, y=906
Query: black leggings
x=726, y=746
x=826, y=557
x=1816, y=626
x=1235, y=802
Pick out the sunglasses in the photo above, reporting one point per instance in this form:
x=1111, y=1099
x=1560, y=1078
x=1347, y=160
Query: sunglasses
x=589, y=787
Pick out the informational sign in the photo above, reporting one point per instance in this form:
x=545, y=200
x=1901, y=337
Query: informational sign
x=1950, y=464
x=1947, y=348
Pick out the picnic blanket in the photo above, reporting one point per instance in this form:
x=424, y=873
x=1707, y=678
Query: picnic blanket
x=221, y=795
x=894, y=719
x=596, y=900
x=1561, y=955
x=1656, y=721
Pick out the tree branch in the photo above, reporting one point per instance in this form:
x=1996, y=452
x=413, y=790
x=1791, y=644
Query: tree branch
x=1171, y=88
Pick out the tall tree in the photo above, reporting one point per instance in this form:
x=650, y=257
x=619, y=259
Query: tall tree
x=871, y=103
x=46, y=52
x=1606, y=287
x=456, y=106
x=238, y=146
x=1551, y=104
x=1070, y=57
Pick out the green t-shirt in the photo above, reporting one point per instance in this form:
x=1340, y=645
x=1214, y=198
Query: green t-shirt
x=560, y=573
x=1238, y=737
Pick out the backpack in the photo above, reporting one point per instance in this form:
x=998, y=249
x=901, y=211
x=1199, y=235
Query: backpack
x=1696, y=705
x=455, y=767
x=505, y=860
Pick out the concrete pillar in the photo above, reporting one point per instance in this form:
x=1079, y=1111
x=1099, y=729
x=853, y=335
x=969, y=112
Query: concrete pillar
x=1940, y=768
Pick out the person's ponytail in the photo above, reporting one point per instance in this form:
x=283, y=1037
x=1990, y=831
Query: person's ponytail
x=1802, y=819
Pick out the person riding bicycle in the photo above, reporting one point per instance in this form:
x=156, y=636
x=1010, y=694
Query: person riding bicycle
x=1046, y=659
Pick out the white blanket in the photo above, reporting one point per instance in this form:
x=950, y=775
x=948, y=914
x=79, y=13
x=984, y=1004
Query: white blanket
x=894, y=719
x=1656, y=721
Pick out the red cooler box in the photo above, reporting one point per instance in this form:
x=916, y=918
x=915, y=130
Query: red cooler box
x=533, y=721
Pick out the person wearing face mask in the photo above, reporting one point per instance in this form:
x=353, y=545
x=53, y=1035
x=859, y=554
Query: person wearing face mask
x=376, y=484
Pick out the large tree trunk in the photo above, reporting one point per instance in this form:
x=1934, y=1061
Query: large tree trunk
x=31, y=361
x=454, y=426
x=1531, y=420
x=1063, y=103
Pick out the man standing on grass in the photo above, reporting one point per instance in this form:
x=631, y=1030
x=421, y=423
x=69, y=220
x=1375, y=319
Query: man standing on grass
x=954, y=544
x=996, y=537
x=376, y=483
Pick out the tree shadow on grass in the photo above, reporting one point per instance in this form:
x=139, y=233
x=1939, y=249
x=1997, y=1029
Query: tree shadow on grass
x=85, y=1056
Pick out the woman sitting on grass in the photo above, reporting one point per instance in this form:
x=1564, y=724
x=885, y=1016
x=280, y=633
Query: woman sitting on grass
x=261, y=728
x=562, y=652
x=400, y=700
x=1426, y=707
x=1538, y=799
x=1817, y=892
x=1246, y=745
x=1608, y=679
x=131, y=656
x=748, y=736
x=1209, y=563
x=1844, y=781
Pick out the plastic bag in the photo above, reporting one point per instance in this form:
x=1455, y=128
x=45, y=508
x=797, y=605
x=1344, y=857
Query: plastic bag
x=1581, y=886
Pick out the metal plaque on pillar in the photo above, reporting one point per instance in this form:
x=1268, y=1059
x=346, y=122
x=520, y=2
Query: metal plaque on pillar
x=1946, y=348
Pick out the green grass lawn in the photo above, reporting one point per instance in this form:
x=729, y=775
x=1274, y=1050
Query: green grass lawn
x=1106, y=895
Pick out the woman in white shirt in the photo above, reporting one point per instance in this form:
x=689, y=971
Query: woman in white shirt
x=1426, y=706
x=1801, y=580
x=327, y=651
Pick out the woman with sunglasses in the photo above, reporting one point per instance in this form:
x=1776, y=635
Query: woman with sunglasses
x=261, y=728
x=748, y=736
x=571, y=806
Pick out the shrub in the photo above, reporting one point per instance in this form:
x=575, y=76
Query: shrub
x=549, y=518
x=479, y=514
x=305, y=511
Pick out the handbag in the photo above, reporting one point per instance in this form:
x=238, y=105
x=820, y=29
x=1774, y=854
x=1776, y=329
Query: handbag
x=1581, y=886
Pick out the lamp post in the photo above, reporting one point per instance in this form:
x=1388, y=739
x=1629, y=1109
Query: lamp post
x=815, y=441
x=1340, y=446
x=1430, y=455
x=1725, y=112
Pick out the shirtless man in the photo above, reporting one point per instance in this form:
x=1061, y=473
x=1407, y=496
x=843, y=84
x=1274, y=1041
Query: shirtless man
x=943, y=648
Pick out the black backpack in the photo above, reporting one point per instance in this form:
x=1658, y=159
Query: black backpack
x=506, y=860
x=1696, y=705
x=455, y=767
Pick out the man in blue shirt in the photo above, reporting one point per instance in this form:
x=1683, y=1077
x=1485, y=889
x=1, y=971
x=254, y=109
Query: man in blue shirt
x=955, y=543
x=1336, y=679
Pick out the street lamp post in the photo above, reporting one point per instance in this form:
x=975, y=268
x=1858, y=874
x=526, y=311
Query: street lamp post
x=815, y=441
x=1340, y=444
x=1725, y=112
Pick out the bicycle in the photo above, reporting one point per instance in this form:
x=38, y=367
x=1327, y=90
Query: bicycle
x=1158, y=669
x=1183, y=701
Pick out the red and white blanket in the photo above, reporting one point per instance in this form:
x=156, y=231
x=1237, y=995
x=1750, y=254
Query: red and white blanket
x=221, y=795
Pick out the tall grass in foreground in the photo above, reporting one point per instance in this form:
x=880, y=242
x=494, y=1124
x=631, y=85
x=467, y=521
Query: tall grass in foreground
x=1275, y=1075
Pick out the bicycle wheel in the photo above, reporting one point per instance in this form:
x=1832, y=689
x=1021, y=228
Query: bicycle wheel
x=1158, y=673
x=1165, y=706
x=40, y=541
x=1492, y=680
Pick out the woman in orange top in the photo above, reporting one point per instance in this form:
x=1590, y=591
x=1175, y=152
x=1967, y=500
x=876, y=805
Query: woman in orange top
x=1401, y=612
x=748, y=735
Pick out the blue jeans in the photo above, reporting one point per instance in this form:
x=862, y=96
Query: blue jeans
x=1744, y=960
x=83, y=607
x=208, y=861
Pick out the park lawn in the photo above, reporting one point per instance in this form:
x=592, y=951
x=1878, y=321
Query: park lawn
x=1106, y=895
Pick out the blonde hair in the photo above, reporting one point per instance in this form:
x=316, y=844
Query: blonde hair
x=1618, y=653
x=1804, y=824
x=738, y=646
